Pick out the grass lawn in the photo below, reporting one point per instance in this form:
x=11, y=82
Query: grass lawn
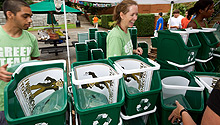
x=69, y=26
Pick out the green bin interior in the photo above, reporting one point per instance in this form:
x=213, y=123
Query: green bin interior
x=196, y=101
x=100, y=37
x=144, y=47
x=133, y=34
x=204, y=66
x=91, y=45
x=97, y=54
x=154, y=41
x=171, y=47
x=81, y=52
x=208, y=43
x=13, y=111
x=88, y=116
x=216, y=63
x=92, y=33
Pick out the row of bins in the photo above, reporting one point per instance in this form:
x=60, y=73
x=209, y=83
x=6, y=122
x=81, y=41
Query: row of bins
x=190, y=50
x=125, y=90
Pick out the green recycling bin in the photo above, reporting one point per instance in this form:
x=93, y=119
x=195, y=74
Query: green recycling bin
x=182, y=91
x=204, y=66
x=44, y=101
x=81, y=52
x=82, y=37
x=208, y=43
x=133, y=34
x=92, y=33
x=154, y=41
x=92, y=44
x=98, y=94
x=142, y=84
x=179, y=47
x=97, y=54
x=208, y=79
x=100, y=37
x=216, y=60
x=144, y=47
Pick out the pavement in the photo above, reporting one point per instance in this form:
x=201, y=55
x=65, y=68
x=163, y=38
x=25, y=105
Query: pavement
x=72, y=33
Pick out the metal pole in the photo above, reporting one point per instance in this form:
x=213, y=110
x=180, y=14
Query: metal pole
x=171, y=11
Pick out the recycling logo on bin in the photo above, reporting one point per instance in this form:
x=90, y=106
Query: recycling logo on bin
x=102, y=119
x=143, y=105
x=191, y=56
x=211, y=51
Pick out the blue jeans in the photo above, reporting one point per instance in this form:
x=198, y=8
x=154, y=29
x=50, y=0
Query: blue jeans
x=2, y=118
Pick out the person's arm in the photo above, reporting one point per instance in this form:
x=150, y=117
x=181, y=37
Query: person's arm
x=159, y=27
x=175, y=115
x=5, y=75
x=210, y=117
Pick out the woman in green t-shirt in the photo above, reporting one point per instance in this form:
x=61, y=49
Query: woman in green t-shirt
x=119, y=40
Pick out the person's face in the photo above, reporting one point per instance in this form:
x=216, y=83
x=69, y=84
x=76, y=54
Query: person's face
x=208, y=11
x=130, y=17
x=186, y=14
x=23, y=18
x=176, y=15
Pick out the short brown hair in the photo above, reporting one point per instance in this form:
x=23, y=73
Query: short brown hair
x=176, y=11
x=14, y=6
x=122, y=7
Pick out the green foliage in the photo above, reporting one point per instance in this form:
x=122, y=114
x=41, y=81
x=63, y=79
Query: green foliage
x=217, y=7
x=105, y=20
x=112, y=24
x=145, y=24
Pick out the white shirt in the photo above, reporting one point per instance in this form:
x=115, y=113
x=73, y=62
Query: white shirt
x=175, y=21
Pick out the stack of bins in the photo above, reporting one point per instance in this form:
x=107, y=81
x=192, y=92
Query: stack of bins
x=50, y=103
x=144, y=47
x=133, y=34
x=142, y=85
x=177, y=49
x=82, y=52
x=92, y=44
x=82, y=37
x=181, y=91
x=98, y=94
x=100, y=37
x=208, y=79
x=205, y=53
x=92, y=33
x=97, y=54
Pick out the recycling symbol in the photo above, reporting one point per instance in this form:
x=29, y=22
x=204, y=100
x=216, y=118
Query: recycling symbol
x=191, y=56
x=102, y=119
x=211, y=52
x=41, y=123
x=143, y=105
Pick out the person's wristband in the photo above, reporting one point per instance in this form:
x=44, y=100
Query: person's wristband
x=181, y=112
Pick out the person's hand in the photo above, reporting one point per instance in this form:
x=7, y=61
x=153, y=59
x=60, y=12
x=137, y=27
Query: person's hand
x=138, y=51
x=175, y=115
x=5, y=75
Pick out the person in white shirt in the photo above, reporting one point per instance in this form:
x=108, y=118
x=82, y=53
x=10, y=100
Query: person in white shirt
x=175, y=21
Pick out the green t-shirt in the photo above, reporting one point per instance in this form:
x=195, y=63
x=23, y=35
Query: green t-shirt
x=118, y=43
x=16, y=50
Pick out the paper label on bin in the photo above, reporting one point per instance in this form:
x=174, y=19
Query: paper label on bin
x=35, y=87
x=139, y=80
x=209, y=80
x=97, y=70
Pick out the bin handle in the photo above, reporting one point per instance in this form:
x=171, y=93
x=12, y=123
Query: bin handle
x=207, y=86
x=200, y=88
x=100, y=79
x=137, y=115
x=156, y=67
x=18, y=70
